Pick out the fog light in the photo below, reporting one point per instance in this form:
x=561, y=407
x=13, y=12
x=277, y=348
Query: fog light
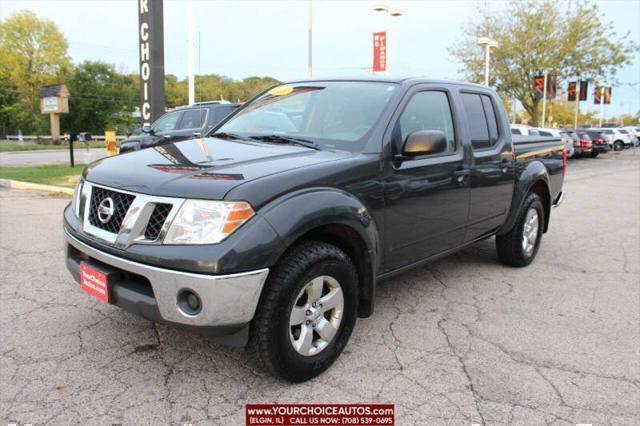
x=189, y=303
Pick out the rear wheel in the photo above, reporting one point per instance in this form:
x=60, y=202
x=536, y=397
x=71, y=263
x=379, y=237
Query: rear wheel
x=618, y=146
x=520, y=246
x=306, y=313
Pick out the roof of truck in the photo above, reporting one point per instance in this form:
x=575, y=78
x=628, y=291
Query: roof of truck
x=388, y=79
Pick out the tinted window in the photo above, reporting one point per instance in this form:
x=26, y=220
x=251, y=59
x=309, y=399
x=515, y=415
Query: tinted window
x=534, y=132
x=543, y=133
x=167, y=122
x=193, y=118
x=476, y=121
x=220, y=112
x=490, y=113
x=624, y=132
x=428, y=111
x=516, y=132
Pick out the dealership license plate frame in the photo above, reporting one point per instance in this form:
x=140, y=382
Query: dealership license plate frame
x=94, y=282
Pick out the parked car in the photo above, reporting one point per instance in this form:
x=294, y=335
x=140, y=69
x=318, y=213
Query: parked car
x=575, y=140
x=599, y=142
x=182, y=123
x=524, y=130
x=276, y=228
x=584, y=146
x=634, y=133
x=566, y=138
x=617, y=138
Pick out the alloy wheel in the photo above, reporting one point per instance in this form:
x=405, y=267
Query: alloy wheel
x=530, y=231
x=316, y=315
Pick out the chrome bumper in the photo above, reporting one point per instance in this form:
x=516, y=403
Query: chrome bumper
x=226, y=299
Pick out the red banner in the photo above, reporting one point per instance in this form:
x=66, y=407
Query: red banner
x=379, y=51
x=319, y=414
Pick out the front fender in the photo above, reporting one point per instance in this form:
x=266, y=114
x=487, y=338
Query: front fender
x=530, y=174
x=300, y=212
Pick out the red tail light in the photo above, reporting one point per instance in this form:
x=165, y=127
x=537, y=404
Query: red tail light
x=564, y=160
x=585, y=144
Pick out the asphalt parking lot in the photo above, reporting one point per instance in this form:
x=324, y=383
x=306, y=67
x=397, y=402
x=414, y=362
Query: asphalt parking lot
x=463, y=340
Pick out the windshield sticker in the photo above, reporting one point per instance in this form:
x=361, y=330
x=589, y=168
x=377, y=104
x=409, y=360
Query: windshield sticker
x=281, y=90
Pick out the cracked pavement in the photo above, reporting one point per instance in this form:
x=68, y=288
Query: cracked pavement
x=463, y=340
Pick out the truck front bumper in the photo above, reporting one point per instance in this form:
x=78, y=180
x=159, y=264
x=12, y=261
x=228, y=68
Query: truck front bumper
x=228, y=302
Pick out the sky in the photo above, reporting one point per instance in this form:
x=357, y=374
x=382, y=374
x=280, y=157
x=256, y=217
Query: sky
x=244, y=38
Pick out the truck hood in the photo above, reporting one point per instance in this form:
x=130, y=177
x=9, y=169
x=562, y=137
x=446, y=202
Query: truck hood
x=205, y=168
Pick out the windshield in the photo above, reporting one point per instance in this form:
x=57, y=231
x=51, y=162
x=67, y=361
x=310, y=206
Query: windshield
x=334, y=115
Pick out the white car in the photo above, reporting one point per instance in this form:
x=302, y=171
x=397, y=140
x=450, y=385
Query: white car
x=524, y=129
x=567, y=140
x=618, y=138
x=634, y=132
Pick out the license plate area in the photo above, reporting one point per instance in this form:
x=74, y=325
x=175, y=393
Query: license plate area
x=94, y=281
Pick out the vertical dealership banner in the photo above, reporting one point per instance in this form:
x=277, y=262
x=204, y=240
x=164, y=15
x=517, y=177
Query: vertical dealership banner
x=597, y=96
x=572, y=91
x=584, y=88
x=151, y=40
x=538, y=85
x=379, y=51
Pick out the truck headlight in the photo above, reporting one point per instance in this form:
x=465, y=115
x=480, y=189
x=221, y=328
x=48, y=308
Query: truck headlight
x=75, y=201
x=207, y=222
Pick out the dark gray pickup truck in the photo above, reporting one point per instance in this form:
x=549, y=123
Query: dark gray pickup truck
x=275, y=229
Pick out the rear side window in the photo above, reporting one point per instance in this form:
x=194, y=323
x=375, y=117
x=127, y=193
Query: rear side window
x=428, y=111
x=481, y=120
x=516, y=132
x=543, y=133
x=193, y=119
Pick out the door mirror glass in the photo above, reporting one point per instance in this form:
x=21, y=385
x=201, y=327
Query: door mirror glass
x=424, y=142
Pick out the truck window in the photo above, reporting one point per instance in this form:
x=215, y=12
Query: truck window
x=516, y=132
x=193, y=119
x=167, y=122
x=492, y=121
x=428, y=111
x=477, y=121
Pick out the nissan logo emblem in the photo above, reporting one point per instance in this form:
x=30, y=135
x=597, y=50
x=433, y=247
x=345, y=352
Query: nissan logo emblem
x=105, y=210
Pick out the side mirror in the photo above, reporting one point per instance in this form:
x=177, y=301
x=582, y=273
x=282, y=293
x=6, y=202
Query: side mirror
x=423, y=142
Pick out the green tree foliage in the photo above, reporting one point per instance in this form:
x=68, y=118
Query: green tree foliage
x=33, y=52
x=99, y=98
x=567, y=38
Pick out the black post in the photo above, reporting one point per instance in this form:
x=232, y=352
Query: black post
x=151, y=42
x=72, y=138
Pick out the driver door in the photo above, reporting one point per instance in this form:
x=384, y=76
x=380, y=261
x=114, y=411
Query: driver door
x=427, y=197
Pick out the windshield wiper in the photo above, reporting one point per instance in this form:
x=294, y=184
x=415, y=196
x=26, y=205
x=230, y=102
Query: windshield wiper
x=287, y=139
x=224, y=135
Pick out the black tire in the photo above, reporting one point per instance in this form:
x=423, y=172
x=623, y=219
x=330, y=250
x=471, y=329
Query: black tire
x=270, y=339
x=618, y=146
x=510, y=246
x=594, y=154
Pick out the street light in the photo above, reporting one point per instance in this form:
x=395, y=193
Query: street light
x=488, y=44
x=381, y=7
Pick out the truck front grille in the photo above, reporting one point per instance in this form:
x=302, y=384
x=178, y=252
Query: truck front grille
x=156, y=221
x=120, y=202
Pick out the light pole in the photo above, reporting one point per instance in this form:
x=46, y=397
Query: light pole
x=487, y=43
x=388, y=12
x=309, y=41
x=601, y=83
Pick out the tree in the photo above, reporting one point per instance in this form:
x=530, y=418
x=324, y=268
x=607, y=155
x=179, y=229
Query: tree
x=99, y=98
x=567, y=38
x=34, y=53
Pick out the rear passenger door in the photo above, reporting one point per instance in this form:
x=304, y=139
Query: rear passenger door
x=492, y=174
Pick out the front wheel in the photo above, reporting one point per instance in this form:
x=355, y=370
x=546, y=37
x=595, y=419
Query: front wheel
x=520, y=246
x=618, y=146
x=306, y=313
